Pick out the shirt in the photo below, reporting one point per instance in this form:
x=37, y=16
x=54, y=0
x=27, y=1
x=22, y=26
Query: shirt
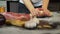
x=35, y=3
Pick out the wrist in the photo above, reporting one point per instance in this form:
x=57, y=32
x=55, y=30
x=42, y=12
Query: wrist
x=31, y=11
x=44, y=8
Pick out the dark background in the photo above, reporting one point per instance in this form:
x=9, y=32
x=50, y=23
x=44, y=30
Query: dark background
x=54, y=5
x=54, y=0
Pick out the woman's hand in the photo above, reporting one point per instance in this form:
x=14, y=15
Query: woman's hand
x=34, y=12
x=37, y=12
x=40, y=11
x=47, y=12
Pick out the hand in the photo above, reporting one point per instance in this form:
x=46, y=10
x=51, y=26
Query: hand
x=47, y=12
x=40, y=11
x=43, y=12
x=34, y=13
x=37, y=12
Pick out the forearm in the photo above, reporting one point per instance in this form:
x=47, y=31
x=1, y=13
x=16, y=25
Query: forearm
x=29, y=5
x=45, y=4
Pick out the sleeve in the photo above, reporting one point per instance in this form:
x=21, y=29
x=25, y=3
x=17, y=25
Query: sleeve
x=21, y=1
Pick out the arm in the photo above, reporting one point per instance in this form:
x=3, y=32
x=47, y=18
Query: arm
x=45, y=7
x=29, y=5
x=45, y=4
